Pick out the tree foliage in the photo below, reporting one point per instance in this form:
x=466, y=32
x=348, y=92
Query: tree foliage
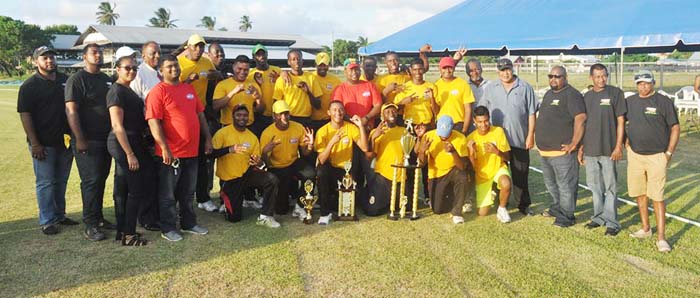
x=631, y=58
x=245, y=24
x=62, y=29
x=207, y=22
x=106, y=15
x=19, y=40
x=162, y=19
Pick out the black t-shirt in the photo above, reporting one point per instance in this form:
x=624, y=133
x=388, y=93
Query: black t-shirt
x=555, y=123
x=649, y=123
x=43, y=99
x=602, y=110
x=134, y=120
x=89, y=91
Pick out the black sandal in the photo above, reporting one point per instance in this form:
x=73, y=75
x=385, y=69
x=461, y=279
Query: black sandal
x=133, y=240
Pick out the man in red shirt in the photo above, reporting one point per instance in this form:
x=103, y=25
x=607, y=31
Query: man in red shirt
x=176, y=118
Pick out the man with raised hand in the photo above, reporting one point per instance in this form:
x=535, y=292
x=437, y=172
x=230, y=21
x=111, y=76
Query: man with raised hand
x=328, y=82
x=302, y=94
x=265, y=76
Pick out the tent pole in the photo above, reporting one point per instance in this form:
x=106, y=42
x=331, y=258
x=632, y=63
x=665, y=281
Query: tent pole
x=537, y=73
x=622, y=68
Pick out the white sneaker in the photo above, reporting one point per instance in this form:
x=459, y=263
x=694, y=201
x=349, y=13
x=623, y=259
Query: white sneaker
x=325, y=220
x=252, y=204
x=502, y=215
x=457, y=220
x=467, y=208
x=222, y=208
x=208, y=206
x=268, y=221
x=299, y=212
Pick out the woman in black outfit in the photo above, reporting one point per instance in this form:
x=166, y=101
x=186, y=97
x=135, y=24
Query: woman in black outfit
x=126, y=144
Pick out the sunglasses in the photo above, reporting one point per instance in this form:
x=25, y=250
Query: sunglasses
x=642, y=76
x=130, y=68
x=551, y=76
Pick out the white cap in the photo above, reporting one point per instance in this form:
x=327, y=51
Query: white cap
x=123, y=52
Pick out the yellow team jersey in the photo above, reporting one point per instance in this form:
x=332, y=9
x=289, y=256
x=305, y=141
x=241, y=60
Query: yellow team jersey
x=488, y=164
x=200, y=67
x=384, y=80
x=388, y=149
x=298, y=100
x=289, y=140
x=452, y=97
x=244, y=97
x=420, y=109
x=440, y=162
x=328, y=84
x=234, y=165
x=342, y=151
x=268, y=86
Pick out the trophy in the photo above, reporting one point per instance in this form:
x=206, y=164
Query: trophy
x=308, y=201
x=346, y=195
x=408, y=141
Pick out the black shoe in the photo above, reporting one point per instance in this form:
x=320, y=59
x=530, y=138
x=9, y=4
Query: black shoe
x=592, y=225
x=611, y=232
x=562, y=225
x=152, y=227
x=49, y=230
x=527, y=212
x=68, y=222
x=104, y=224
x=94, y=234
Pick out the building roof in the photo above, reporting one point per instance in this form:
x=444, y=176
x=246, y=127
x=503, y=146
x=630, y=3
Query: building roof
x=63, y=42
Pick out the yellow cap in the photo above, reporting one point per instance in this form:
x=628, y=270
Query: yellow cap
x=280, y=107
x=195, y=39
x=323, y=58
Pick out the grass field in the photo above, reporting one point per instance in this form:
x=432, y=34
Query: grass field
x=374, y=257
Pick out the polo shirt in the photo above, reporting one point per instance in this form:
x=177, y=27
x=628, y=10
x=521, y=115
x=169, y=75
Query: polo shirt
x=146, y=78
x=510, y=110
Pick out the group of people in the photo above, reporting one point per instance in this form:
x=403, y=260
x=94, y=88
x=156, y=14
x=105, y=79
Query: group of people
x=168, y=120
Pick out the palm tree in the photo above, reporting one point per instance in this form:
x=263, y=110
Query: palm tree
x=246, y=24
x=106, y=15
x=162, y=19
x=208, y=22
x=223, y=29
x=362, y=41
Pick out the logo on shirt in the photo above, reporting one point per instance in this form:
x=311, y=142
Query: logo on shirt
x=605, y=102
x=454, y=92
x=650, y=111
x=294, y=140
x=365, y=94
x=329, y=86
x=346, y=141
x=190, y=96
x=246, y=145
x=109, y=84
x=555, y=102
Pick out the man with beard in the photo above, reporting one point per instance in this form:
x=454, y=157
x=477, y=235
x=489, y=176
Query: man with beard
x=302, y=94
x=369, y=71
x=42, y=111
x=237, y=90
x=265, y=76
x=328, y=83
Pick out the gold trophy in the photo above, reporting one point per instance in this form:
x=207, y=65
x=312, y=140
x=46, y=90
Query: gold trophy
x=346, y=195
x=308, y=201
x=408, y=141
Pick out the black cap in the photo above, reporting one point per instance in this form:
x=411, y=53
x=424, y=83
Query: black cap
x=42, y=50
x=504, y=63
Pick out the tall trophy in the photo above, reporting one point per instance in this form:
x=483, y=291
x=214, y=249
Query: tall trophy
x=346, y=195
x=308, y=201
x=408, y=141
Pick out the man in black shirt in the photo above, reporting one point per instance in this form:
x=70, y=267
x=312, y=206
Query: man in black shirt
x=40, y=107
x=653, y=133
x=558, y=131
x=602, y=147
x=86, y=109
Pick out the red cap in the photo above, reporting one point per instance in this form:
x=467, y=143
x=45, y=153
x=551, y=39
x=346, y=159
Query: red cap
x=447, y=61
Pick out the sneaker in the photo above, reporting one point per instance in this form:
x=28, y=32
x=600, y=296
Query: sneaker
x=502, y=215
x=67, y=222
x=611, y=231
x=592, y=225
x=663, y=246
x=151, y=226
x=94, y=234
x=49, y=230
x=197, y=230
x=299, y=212
x=561, y=224
x=641, y=234
x=268, y=221
x=467, y=208
x=171, y=236
x=222, y=208
x=104, y=224
x=325, y=220
x=252, y=204
x=547, y=214
x=207, y=206
x=457, y=220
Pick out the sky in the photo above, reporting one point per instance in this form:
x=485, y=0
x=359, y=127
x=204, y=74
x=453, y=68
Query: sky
x=320, y=21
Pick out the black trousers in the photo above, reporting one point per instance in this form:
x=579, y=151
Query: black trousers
x=301, y=171
x=260, y=124
x=93, y=168
x=175, y=193
x=520, y=168
x=205, y=168
x=233, y=190
x=447, y=193
x=328, y=177
x=379, y=189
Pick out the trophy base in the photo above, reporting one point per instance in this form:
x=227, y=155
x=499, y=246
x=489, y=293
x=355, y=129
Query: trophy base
x=417, y=217
x=308, y=221
x=347, y=218
x=392, y=217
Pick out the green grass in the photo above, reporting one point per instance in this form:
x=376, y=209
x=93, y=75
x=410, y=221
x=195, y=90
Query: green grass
x=430, y=257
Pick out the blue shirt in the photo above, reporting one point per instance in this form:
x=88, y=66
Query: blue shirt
x=510, y=110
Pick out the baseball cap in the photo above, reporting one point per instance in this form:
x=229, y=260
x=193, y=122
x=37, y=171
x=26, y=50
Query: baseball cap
x=259, y=47
x=504, y=63
x=42, y=50
x=350, y=63
x=323, y=58
x=447, y=61
x=239, y=107
x=195, y=39
x=124, y=52
x=388, y=105
x=444, y=126
x=280, y=107
x=643, y=76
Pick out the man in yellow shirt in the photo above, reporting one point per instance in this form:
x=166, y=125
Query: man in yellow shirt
x=283, y=142
x=195, y=69
x=302, y=94
x=391, y=83
x=454, y=96
x=240, y=167
x=236, y=90
x=445, y=151
x=334, y=144
x=265, y=75
x=488, y=152
x=328, y=82
x=418, y=96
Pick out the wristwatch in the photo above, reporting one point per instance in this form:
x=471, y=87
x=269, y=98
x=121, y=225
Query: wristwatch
x=669, y=153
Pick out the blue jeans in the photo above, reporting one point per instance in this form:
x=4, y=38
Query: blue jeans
x=93, y=168
x=561, y=179
x=601, y=177
x=51, y=178
x=177, y=189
